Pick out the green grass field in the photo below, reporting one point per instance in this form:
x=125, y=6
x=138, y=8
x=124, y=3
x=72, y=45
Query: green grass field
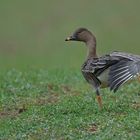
x=42, y=92
x=60, y=105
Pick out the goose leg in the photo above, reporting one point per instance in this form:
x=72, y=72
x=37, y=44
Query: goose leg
x=139, y=78
x=99, y=99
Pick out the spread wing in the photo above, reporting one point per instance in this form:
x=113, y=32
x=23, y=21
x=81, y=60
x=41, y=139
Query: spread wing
x=126, y=69
x=123, y=67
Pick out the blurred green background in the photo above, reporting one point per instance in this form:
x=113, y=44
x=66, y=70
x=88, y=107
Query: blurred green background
x=32, y=32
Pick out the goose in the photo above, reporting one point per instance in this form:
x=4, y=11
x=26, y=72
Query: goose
x=111, y=70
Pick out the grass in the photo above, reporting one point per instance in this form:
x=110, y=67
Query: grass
x=58, y=104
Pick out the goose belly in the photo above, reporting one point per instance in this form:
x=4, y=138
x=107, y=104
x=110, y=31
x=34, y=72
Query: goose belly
x=103, y=77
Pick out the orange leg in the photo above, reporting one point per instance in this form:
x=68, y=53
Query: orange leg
x=99, y=99
x=139, y=78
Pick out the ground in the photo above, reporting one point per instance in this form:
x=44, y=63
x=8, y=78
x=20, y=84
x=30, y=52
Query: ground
x=59, y=104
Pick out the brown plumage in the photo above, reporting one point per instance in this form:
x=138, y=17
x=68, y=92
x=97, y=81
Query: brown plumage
x=112, y=70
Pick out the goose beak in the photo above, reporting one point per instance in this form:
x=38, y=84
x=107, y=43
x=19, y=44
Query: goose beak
x=70, y=38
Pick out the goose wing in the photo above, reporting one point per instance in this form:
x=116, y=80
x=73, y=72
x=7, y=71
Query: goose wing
x=98, y=65
x=94, y=67
x=126, y=69
x=122, y=68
